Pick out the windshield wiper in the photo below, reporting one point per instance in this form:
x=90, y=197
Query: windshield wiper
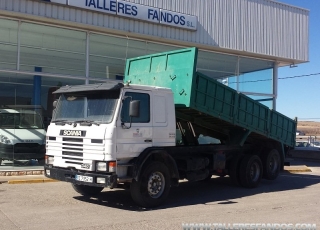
x=62, y=122
x=87, y=122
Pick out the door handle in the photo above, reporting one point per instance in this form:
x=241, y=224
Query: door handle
x=148, y=140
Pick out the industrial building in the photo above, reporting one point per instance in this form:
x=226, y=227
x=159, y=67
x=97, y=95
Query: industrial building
x=46, y=44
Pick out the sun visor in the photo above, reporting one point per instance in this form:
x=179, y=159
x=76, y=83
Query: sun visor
x=110, y=85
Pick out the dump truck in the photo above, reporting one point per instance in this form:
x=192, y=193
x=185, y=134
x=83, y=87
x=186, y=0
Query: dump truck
x=164, y=123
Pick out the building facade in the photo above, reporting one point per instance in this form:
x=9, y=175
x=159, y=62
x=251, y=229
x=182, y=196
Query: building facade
x=46, y=44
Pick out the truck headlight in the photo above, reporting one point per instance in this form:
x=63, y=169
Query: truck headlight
x=49, y=160
x=5, y=140
x=101, y=166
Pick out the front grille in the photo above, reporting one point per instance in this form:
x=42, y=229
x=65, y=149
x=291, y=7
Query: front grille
x=80, y=145
x=76, y=149
x=73, y=148
x=75, y=154
x=70, y=139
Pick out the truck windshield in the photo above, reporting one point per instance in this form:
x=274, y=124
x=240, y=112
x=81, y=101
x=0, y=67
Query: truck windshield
x=96, y=107
x=20, y=120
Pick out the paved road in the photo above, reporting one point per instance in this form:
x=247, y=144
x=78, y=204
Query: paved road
x=292, y=198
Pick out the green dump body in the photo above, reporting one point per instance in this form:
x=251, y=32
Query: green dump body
x=207, y=102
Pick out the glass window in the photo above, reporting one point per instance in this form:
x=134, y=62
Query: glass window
x=153, y=48
x=107, y=57
x=136, y=48
x=25, y=112
x=144, y=116
x=254, y=75
x=254, y=82
x=216, y=65
x=20, y=119
x=52, y=50
x=87, y=107
x=8, y=44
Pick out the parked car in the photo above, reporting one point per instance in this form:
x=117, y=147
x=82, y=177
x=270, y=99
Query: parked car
x=300, y=133
x=304, y=145
x=315, y=144
x=22, y=135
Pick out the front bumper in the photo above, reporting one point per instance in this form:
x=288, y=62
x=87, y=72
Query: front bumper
x=69, y=175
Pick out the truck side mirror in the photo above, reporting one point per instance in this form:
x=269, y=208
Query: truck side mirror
x=134, y=109
x=54, y=104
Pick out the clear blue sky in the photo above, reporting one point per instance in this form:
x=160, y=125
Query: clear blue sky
x=300, y=97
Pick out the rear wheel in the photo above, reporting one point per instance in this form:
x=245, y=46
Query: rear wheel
x=86, y=190
x=271, y=165
x=153, y=187
x=250, y=171
x=234, y=168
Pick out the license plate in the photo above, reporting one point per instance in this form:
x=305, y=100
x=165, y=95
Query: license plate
x=84, y=178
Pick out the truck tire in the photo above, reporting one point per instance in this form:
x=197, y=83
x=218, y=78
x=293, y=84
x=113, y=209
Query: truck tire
x=271, y=165
x=153, y=187
x=250, y=171
x=86, y=190
x=234, y=168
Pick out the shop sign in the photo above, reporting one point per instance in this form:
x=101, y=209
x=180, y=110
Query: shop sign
x=135, y=11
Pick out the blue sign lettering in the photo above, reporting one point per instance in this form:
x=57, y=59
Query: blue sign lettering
x=120, y=7
x=135, y=11
x=153, y=14
x=169, y=18
x=163, y=17
x=113, y=6
x=104, y=6
x=98, y=6
x=92, y=3
x=182, y=20
x=177, y=19
x=127, y=9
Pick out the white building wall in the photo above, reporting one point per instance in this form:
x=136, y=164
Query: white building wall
x=262, y=27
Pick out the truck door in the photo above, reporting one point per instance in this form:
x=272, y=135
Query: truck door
x=131, y=141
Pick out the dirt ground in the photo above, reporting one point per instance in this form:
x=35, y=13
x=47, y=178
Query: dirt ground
x=310, y=128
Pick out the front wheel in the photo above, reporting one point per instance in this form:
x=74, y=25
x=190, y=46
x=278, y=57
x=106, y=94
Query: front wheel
x=86, y=190
x=153, y=187
x=250, y=171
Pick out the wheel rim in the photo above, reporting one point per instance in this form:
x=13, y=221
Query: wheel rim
x=156, y=184
x=273, y=164
x=255, y=172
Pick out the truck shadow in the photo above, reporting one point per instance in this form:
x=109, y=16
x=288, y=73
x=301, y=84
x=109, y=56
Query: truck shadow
x=217, y=191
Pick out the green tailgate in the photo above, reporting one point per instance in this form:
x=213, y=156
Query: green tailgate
x=205, y=101
x=173, y=70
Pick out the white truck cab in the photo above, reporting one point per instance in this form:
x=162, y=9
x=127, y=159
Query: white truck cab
x=92, y=138
x=22, y=135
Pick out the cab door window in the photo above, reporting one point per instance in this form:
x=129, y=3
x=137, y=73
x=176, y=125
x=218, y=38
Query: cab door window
x=144, y=116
